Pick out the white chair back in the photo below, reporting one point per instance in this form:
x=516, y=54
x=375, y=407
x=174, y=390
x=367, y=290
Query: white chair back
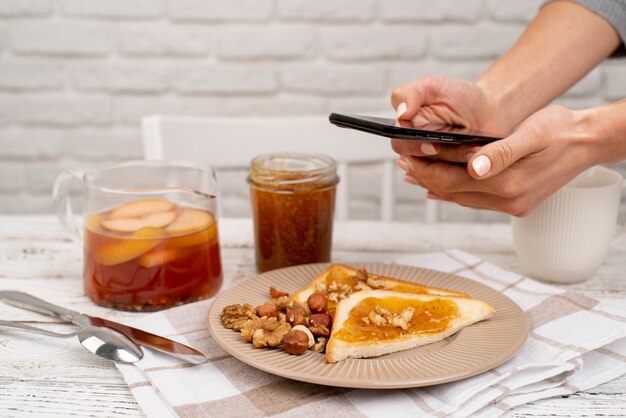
x=231, y=142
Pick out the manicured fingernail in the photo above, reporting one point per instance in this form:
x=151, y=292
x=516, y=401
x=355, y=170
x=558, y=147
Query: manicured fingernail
x=481, y=165
x=468, y=155
x=402, y=164
x=411, y=179
x=428, y=149
x=401, y=109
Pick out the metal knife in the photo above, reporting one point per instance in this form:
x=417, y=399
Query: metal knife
x=148, y=339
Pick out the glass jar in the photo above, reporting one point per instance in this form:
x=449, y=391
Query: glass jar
x=293, y=201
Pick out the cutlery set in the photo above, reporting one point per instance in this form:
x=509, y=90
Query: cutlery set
x=106, y=338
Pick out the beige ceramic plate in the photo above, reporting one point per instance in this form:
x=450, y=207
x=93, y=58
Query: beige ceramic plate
x=473, y=350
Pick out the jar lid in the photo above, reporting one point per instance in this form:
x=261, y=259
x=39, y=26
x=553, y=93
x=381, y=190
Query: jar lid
x=293, y=170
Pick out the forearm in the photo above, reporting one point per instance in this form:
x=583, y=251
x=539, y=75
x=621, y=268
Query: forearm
x=562, y=44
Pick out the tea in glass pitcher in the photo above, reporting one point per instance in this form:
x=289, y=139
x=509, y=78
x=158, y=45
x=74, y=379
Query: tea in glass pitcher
x=150, y=254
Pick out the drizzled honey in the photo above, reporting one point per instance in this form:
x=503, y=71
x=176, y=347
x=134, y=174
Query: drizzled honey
x=429, y=317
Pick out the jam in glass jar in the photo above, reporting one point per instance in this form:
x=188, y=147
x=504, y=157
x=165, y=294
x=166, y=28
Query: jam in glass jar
x=293, y=201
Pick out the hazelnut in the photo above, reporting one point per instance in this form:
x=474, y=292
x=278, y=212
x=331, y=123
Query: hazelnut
x=275, y=293
x=295, y=317
x=317, y=303
x=296, y=342
x=267, y=309
x=321, y=319
x=307, y=332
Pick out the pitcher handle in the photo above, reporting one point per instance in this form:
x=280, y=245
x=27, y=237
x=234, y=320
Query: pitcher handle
x=63, y=204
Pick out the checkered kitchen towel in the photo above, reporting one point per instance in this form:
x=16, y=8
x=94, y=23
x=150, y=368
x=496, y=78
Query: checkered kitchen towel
x=576, y=343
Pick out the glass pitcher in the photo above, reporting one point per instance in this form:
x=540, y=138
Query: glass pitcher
x=150, y=234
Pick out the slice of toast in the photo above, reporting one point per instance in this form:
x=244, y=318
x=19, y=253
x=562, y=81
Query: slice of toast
x=339, y=281
x=372, y=323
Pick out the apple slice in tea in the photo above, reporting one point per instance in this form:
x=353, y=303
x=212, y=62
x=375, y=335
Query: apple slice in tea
x=155, y=220
x=157, y=257
x=141, y=208
x=128, y=248
x=192, y=227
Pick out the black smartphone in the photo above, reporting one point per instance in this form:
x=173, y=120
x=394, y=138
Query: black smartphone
x=392, y=128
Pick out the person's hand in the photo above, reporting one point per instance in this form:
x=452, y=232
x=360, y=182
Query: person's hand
x=446, y=101
x=515, y=174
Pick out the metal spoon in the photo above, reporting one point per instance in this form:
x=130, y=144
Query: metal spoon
x=104, y=342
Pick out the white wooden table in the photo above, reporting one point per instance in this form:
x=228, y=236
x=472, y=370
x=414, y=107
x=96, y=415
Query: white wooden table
x=36, y=256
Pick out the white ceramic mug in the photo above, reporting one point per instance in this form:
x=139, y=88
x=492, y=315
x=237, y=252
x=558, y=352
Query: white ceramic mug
x=566, y=238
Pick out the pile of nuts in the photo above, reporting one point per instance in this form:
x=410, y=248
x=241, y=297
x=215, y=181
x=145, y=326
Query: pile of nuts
x=282, y=321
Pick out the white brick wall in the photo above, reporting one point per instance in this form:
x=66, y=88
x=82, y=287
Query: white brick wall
x=225, y=79
x=218, y=11
x=122, y=9
x=259, y=42
x=25, y=7
x=35, y=76
x=417, y=11
x=149, y=40
x=59, y=39
x=76, y=76
x=62, y=111
x=339, y=11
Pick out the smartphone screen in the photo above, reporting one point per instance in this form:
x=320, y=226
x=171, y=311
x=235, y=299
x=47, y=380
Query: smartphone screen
x=392, y=128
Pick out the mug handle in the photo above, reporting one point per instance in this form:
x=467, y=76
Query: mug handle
x=620, y=235
x=621, y=232
x=63, y=205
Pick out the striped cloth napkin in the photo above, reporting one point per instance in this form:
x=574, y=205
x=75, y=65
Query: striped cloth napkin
x=575, y=343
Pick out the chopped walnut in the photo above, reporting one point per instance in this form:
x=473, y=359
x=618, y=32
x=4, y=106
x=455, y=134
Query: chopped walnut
x=235, y=316
x=282, y=317
x=320, y=345
x=362, y=286
x=381, y=316
x=333, y=297
x=407, y=313
x=338, y=291
x=284, y=303
x=320, y=331
x=361, y=275
x=382, y=311
x=375, y=283
x=320, y=287
x=402, y=319
x=265, y=332
x=302, y=307
x=377, y=319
